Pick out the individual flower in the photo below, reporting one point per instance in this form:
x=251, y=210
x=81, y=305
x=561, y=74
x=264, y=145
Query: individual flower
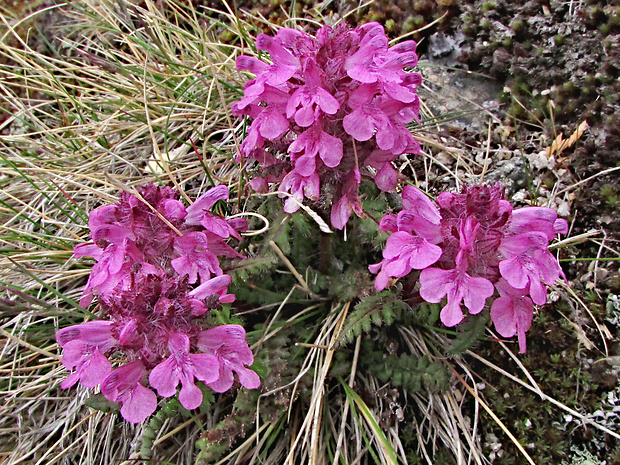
x=529, y=263
x=512, y=312
x=413, y=244
x=157, y=275
x=468, y=246
x=217, y=286
x=456, y=284
x=227, y=343
x=194, y=257
x=84, y=347
x=404, y=252
x=329, y=109
x=183, y=367
x=125, y=385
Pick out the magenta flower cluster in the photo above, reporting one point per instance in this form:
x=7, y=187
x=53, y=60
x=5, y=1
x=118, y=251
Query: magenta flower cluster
x=328, y=110
x=471, y=247
x=151, y=252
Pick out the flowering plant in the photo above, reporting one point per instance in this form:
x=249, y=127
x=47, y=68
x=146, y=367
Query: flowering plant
x=150, y=250
x=337, y=104
x=469, y=245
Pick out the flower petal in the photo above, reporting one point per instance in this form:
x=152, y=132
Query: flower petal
x=435, y=283
x=95, y=370
x=165, y=378
x=140, y=404
x=204, y=203
x=206, y=367
x=503, y=316
x=330, y=150
x=386, y=178
x=326, y=101
x=190, y=395
x=475, y=292
x=451, y=314
x=359, y=125
x=248, y=378
x=225, y=380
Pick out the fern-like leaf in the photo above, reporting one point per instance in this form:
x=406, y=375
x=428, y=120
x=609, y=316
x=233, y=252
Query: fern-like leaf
x=377, y=309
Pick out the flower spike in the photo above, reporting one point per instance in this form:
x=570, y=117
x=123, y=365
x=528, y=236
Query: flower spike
x=469, y=245
x=154, y=280
x=343, y=95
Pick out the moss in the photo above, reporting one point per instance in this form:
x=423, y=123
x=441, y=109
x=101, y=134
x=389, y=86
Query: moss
x=609, y=195
x=488, y=6
x=605, y=29
x=569, y=88
x=469, y=30
x=518, y=26
x=409, y=25
x=571, y=107
x=552, y=360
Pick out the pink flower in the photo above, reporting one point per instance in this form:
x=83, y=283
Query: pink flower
x=368, y=117
x=342, y=95
x=268, y=124
x=386, y=178
x=84, y=348
x=285, y=64
x=215, y=286
x=311, y=100
x=227, y=343
x=124, y=385
x=473, y=239
x=91, y=366
x=529, y=263
x=131, y=239
x=541, y=219
x=97, y=333
x=204, y=203
x=104, y=223
x=311, y=142
x=113, y=270
x=194, y=257
x=403, y=253
x=150, y=251
x=299, y=186
x=348, y=202
x=512, y=312
x=183, y=367
x=459, y=287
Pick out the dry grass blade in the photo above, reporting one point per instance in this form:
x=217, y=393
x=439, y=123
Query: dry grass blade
x=496, y=419
x=306, y=442
x=441, y=418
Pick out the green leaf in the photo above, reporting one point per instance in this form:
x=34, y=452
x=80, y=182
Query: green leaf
x=388, y=451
